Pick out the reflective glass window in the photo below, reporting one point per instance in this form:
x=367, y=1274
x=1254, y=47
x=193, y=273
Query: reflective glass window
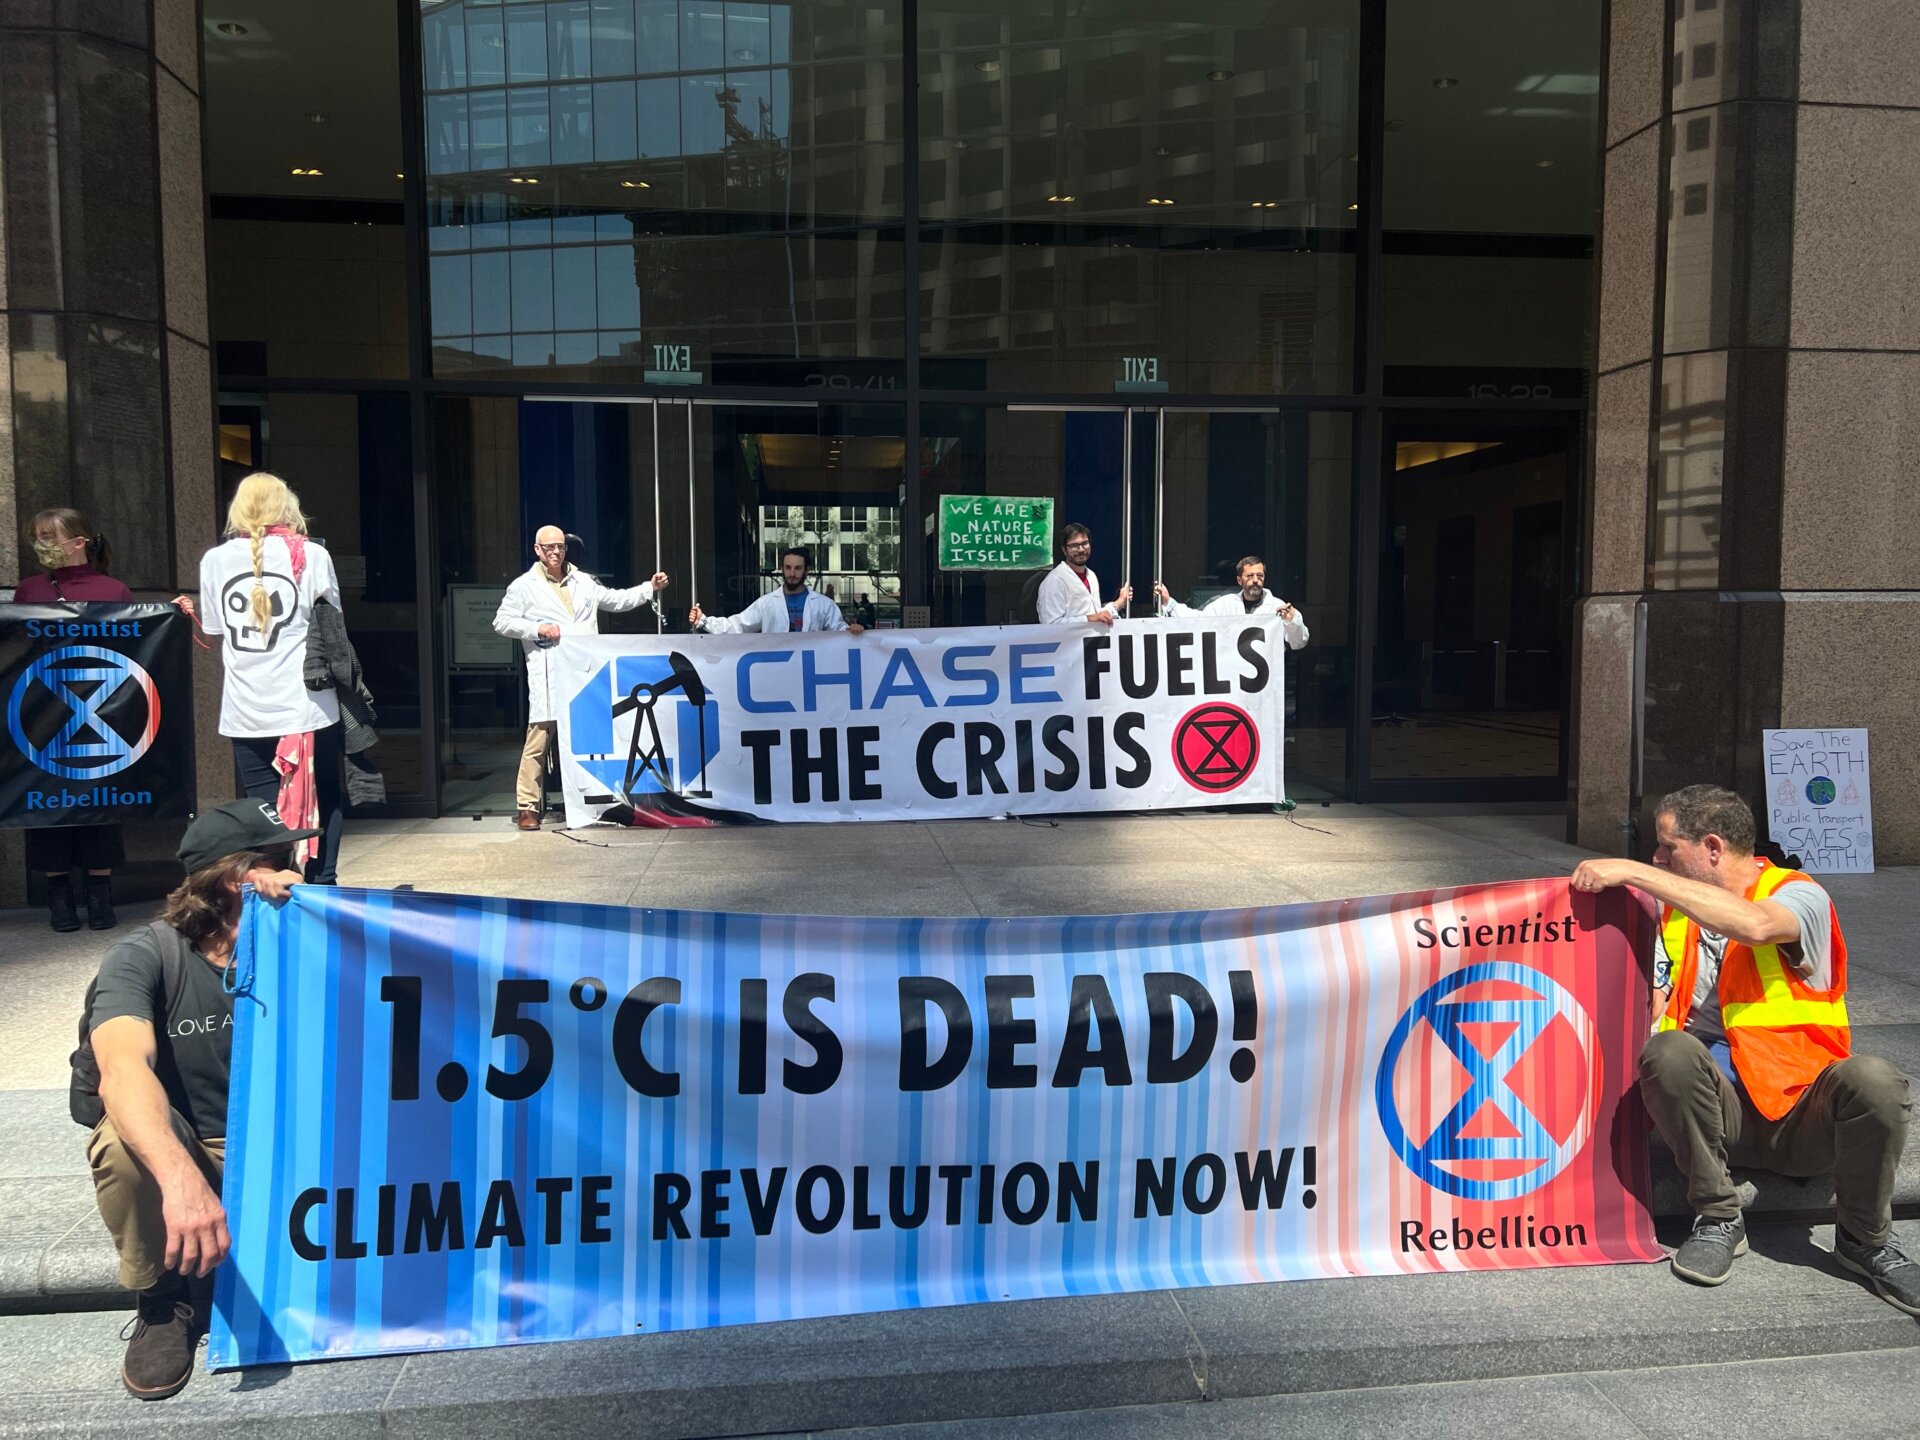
x=746, y=156
x=1490, y=195
x=1154, y=189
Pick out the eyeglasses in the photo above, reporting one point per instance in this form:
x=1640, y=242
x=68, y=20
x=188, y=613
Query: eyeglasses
x=1079, y=544
x=557, y=547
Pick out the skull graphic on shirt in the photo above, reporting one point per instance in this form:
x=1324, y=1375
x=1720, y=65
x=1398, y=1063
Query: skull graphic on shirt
x=236, y=606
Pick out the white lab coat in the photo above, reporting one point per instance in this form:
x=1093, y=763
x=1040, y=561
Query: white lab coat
x=530, y=603
x=1294, y=630
x=1063, y=600
x=768, y=616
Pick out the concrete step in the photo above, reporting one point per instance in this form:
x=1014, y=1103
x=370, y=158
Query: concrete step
x=59, y=1373
x=55, y=1255
x=1857, y=1396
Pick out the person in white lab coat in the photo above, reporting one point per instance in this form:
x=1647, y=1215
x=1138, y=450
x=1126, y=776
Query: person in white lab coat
x=1070, y=595
x=791, y=608
x=553, y=599
x=1252, y=598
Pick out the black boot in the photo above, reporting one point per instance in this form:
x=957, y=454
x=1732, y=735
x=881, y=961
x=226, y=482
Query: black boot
x=64, y=914
x=100, y=914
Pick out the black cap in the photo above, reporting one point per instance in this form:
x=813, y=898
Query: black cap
x=233, y=828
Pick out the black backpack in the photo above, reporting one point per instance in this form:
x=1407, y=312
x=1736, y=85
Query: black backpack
x=83, y=1090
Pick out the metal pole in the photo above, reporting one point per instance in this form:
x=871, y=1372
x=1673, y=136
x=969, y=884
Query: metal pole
x=1126, y=505
x=693, y=544
x=659, y=615
x=1159, y=491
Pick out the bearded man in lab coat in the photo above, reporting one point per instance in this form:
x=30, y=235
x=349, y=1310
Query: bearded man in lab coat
x=1252, y=598
x=792, y=608
x=1070, y=595
x=550, y=600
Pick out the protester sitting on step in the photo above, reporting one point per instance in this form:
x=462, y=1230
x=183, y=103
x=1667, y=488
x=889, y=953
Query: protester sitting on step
x=1751, y=1062
x=150, y=1077
x=791, y=608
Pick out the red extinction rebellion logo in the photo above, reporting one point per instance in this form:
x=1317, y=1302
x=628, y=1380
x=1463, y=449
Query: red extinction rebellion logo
x=1216, y=746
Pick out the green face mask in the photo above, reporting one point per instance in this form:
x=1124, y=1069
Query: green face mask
x=51, y=554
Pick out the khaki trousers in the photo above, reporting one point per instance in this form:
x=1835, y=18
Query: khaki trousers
x=129, y=1197
x=530, y=791
x=1852, y=1120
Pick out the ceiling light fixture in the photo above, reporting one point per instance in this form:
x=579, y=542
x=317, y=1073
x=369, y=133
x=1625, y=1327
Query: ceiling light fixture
x=232, y=29
x=1354, y=206
x=1445, y=82
x=299, y=170
x=635, y=185
x=316, y=117
x=399, y=174
x=1157, y=200
x=1060, y=199
x=1220, y=75
x=522, y=180
x=987, y=67
x=1543, y=164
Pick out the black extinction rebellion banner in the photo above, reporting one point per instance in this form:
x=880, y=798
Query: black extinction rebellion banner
x=99, y=704
x=922, y=724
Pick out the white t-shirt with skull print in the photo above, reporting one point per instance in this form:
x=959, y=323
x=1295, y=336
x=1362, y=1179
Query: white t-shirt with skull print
x=266, y=691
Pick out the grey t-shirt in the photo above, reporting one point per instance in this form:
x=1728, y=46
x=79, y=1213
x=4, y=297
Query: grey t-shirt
x=1811, y=956
x=193, y=1043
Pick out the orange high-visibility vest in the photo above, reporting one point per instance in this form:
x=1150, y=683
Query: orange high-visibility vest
x=1782, y=1032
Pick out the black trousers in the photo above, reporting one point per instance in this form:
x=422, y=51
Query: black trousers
x=56, y=849
x=258, y=780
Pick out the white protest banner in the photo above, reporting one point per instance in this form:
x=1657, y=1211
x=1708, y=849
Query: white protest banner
x=1820, y=799
x=922, y=724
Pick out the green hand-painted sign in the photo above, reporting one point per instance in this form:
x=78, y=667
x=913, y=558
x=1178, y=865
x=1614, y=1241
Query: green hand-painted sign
x=995, y=532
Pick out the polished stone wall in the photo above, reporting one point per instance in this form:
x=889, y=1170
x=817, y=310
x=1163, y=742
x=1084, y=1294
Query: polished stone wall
x=106, y=382
x=1757, y=404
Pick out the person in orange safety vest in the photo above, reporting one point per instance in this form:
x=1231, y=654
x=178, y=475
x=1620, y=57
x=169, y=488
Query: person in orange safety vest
x=1751, y=1060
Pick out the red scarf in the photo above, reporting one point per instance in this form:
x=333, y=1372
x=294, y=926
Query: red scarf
x=296, y=547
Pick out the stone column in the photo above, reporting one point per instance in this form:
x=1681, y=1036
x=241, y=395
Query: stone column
x=106, y=381
x=1756, y=398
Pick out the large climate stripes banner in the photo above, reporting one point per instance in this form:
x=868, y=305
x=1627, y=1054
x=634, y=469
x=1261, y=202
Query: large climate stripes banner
x=465, y=1122
x=921, y=724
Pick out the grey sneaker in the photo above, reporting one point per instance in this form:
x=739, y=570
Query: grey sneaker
x=1895, y=1276
x=1706, y=1257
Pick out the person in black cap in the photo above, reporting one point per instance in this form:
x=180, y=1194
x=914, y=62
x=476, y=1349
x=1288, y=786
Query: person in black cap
x=150, y=1077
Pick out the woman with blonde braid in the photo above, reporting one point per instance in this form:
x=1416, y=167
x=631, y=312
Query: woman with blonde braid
x=257, y=591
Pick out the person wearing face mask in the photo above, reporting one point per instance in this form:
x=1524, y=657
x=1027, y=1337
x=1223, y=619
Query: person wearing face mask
x=75, y=558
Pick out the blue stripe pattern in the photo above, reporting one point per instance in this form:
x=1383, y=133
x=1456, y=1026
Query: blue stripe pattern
x=311, y=1114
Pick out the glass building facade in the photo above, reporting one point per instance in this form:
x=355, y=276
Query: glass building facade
x=698, y=279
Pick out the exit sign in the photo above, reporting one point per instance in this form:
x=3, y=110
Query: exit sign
x=1140, y=375
x=673, y=365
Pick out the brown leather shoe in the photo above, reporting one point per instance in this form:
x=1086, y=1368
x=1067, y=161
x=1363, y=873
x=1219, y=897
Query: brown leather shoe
x=163, y=1338
x=527, y=820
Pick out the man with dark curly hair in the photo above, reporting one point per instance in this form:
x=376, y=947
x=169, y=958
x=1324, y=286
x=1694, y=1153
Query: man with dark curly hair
x=1751, y=1060
x=159, y=1023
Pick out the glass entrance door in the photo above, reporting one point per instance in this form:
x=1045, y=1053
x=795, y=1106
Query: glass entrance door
x=743, y=482
x=1474, y=605
x=1082, y=458
x=1234, y=484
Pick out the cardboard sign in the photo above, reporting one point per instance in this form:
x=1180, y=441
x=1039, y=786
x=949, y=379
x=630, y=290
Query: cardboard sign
x=995, y=532
x=1820, y=799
